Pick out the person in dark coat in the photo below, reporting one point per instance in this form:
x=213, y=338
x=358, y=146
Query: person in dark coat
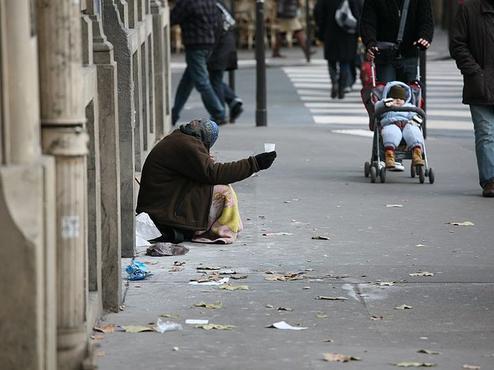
x=200, y=23
x=472, y=46
x=224, y=58
x=380, y=22
x=181, y=183
x=340, y=47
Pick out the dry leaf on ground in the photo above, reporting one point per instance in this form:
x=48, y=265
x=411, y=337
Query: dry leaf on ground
x=288, y=309
x=428, y=352
x=107, y=328
x=403, y=307
x=208, y=268
x=464, y=223
x=136, y=328
x=170, y=315
x=386, y=283
x=394, y=205
x=422, y=273
x=327, y=298
x=234, y=287
x=321, y=237
x=210, y=306
x=376, y=317
x=285, y=326
x=321, y=315
x=289, y=276
x=215, y=327
x=338, y=357
x=238, y=277
x=415, y=364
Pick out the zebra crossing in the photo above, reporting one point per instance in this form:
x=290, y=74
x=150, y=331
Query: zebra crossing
x=444, y=108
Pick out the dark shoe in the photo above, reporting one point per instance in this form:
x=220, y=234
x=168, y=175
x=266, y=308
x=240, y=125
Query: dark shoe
x=235, y=110
x=341, y=94
x=334, y=92
x=277, y=55
x=488, y=191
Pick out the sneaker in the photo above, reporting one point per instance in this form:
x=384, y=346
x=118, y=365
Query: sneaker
x=398, y=167
x=235, y=110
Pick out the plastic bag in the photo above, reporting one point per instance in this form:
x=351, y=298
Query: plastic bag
x=145, y=230
x=137, y=271
x=162, y=326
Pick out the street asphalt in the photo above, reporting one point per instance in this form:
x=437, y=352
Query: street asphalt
x=378, y=237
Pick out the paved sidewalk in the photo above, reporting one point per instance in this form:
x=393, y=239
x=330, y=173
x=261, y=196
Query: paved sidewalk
x=316, y=188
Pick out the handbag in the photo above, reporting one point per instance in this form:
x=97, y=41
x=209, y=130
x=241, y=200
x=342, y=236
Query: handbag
x=388, y=51
x=345, y=19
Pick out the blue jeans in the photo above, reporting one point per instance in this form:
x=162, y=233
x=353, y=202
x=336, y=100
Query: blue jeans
x=404, y=70
x=196, y=75
x=483, y=123
x=224, y=92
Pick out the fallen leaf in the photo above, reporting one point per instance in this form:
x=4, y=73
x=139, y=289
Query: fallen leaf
x=428, y=352
x=269, y=306
x=175, y=349
x=277, y=234
x=227, y=271
x=326, y=298
x=289, y=276
x=422, y=273
x=464, y=223
x=208, y=268
x=338, y=357
x=321, y=237
x=175, y=269
x=211, y=282
x=215, y=327
x=178, y=263
x=376, y=317
x=136, y=328
x=386, y=283
x=170, y=316
x=107, y=328
x=285, y=326
x=321, y=315
x=403, y=307
x=394, y=205
x=415, y=364
x=471, y=367
x=234, y=287
x=289, y=309
x=328, y=340
x=210, y=306
x=238, y=277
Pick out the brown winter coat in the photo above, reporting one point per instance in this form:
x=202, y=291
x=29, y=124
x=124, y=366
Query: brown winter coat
x=178, y=178
x=472, y=46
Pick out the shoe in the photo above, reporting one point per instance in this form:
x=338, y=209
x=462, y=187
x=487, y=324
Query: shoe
x=220, y=121
x=417, y=157
x=277, y=55
x=389, y=158
x=235, y=110
x=341, y=94
x=334, y=92
x=347, y=90
x=398, y=167
x=488, y=191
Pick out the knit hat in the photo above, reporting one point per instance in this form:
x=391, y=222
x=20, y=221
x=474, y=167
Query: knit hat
x=204, y=129
x=397, y=92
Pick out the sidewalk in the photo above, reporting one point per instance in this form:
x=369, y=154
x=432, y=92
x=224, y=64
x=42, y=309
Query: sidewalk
x=316, y=188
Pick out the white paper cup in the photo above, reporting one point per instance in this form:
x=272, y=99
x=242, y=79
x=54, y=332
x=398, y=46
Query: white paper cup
x=269, y=147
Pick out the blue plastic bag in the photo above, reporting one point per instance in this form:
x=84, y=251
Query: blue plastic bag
x=137, y=271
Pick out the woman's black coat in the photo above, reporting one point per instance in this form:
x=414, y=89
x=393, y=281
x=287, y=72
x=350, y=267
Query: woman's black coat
x=338, y=45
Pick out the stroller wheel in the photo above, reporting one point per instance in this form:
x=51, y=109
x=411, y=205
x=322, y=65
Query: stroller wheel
x=373, y=174
x=382, y=174
x=421, y=173
x=366, y=169
x=431, y=176
x=412, y=171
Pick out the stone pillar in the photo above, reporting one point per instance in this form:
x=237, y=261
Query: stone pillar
x=64, y=137
x=110, y=167
x=28, y=312
x=114, y=28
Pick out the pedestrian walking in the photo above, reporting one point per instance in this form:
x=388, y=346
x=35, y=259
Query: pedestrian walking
x=200, y=23
x=224, y=58
x=287, y=20
x=340, y=44
x=472, y=46
x=379, y=27
x=186, y=193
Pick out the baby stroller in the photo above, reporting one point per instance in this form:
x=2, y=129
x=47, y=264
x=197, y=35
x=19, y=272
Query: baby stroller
x=376, y=167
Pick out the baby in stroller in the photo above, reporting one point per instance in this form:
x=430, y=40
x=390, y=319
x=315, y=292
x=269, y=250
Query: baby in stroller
x=401, y=124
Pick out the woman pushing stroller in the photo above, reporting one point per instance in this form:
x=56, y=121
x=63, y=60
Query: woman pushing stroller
x=400, y=124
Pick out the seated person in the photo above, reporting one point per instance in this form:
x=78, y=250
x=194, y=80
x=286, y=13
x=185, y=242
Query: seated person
x=396, y=125
x=186, y=193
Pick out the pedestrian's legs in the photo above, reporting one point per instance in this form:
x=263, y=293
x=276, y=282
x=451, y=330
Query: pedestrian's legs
x=229, y=94
x=197, y=61
x=385, y=72
x=483, y=123
x=391, y=135
x=184, y=89
x=413, y=136
x=234, y=103
x=216, y=78
x=302, y=41
x=333, y=75
x=345, y=77
x=277, y=45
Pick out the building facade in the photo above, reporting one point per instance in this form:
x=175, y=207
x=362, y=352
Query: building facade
x=84, y=95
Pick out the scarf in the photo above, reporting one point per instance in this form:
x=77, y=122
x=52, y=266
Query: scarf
x=204, y=129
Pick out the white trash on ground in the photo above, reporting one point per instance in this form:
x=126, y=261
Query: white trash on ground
x=145, y=230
